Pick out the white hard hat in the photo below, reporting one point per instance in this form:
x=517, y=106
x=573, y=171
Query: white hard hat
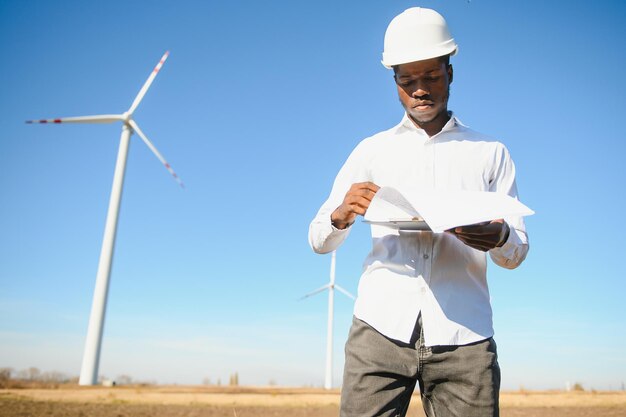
x=415, y=35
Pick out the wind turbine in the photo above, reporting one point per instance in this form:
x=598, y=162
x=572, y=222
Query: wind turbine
x=331, y=286
x=93, y=343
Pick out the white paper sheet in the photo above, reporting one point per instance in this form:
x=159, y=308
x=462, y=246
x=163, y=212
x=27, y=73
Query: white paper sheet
x=442, y=210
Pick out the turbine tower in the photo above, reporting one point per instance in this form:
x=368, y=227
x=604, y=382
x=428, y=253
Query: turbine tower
x=331, y=286
x=93, y=343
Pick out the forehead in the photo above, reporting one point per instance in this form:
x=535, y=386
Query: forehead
x=420, y=67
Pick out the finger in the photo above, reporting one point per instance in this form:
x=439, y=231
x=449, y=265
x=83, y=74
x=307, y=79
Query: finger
x=479, y=229
x=370, y=186
x=349, y=209
x=474, y=242
x=367, y=184
x=368, y=194
x=360, y=189
x=373, y=187
x=475, y=226
x=358, y=210
x=479, y=238
x=482, y=237
x=476, y=245
x=358, y=201
x=479, y=242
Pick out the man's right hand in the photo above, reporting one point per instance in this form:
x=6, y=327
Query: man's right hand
x=356, y=202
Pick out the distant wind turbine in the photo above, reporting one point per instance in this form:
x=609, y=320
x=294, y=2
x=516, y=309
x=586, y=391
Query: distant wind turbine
x=331, y=286
x=91, y=357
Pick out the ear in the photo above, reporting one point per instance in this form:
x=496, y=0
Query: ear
x=450, y=74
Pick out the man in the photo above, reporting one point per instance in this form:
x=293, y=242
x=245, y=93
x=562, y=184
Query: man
x=423, y=313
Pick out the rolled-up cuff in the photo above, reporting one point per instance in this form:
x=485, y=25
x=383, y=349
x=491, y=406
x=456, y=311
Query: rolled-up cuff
x=513, y=252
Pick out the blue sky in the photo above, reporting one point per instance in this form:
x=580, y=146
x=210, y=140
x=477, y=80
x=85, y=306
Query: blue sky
x=256, y=108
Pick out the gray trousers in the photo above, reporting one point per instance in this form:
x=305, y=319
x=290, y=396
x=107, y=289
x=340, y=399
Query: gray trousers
x=380, y=375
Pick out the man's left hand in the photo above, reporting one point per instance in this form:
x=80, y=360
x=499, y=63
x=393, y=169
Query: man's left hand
x=483, y=236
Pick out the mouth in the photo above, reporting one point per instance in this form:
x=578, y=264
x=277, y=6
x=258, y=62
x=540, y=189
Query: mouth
x=423, y=105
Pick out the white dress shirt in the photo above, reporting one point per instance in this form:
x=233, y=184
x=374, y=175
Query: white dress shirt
x=409, y=272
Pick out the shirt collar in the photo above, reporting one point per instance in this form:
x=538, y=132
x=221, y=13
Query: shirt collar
x=451, y=124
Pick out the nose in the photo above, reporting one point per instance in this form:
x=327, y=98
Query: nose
x=420, y=91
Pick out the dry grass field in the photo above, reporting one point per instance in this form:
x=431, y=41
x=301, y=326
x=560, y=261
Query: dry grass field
x=193, y=401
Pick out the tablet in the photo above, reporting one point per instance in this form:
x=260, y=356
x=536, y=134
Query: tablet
x=401, y=224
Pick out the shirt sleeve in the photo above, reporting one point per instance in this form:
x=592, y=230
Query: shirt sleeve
x=323, y=236
x=514, y=251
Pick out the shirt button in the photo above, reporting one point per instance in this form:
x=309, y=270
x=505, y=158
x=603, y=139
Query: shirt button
x=423, y=290
x=426, y=256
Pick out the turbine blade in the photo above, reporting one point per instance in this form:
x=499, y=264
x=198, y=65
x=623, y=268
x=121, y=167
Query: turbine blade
x=338, y=288
x=155, y=151
x=102, y=118
x=317, y=291
x=147, y=84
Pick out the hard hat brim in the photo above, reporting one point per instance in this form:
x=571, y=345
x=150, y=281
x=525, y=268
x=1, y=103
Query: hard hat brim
x=389, y=60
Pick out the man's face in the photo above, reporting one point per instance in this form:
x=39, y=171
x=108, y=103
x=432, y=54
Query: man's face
x=423, y=89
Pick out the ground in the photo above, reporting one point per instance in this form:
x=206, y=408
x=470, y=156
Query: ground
x=179, y=401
